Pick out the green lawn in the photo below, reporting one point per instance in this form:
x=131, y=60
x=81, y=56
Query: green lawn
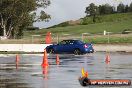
x=114, y=38
x=114, y=23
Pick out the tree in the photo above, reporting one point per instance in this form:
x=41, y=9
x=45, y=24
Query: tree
x=106, y=9
x=101, y=9
x=130, y=7
x=126, y=8
x=92, y=10
x=109, y=9
x=121, y=8
x=15, y=15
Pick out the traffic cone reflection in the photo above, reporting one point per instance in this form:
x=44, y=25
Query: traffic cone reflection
x=57, y=59
x=17, y=65
x=45, y=60
x=45, y=73
x=17, y=60
x=107, y=60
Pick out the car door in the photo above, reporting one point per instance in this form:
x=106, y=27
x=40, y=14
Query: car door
x=68, y=47
x=60, y=46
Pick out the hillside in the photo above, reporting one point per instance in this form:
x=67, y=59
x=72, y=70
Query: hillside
x=67, y=23
x=99, y=19
x=113, y=23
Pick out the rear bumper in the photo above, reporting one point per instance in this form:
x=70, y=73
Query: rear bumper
x=89, y=51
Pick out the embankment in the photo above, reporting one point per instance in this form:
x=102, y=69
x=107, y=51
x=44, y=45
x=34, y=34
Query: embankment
x=113, y=47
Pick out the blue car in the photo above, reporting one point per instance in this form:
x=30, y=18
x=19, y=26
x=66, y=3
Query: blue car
x=76, y=47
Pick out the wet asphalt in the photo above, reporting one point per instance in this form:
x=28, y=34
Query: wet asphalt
x=28, y=73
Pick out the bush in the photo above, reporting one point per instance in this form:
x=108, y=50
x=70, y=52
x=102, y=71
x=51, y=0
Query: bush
x=32, y=28
x=126, y=31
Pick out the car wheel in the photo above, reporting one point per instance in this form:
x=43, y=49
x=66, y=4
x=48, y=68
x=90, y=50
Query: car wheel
x=51, y=51
x=92, y=51
x=77, y=52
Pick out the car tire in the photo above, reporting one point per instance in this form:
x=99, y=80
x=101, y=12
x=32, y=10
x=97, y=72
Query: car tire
x=77, y=52
x=92, y=51
x=51, y=51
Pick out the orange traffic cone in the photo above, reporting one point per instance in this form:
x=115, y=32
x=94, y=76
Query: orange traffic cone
x=107, y=60
x=45, y=60
x=57, y=59
x=48, y=38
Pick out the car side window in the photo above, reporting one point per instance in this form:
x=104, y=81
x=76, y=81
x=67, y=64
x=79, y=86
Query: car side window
x=67, y=42
x=63, y=42
x=71, y=42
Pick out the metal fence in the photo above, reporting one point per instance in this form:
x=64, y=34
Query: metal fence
x=86, y=37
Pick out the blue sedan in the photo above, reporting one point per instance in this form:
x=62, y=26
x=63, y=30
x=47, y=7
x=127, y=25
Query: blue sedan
x=76, y=47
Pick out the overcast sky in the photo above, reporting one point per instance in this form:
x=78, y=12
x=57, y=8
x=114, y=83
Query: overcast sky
x=64, y=10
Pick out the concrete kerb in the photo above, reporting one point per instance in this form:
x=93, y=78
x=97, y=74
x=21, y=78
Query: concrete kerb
x=41, y=47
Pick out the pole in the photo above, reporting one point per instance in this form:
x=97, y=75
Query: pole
x=108, y=37
x=32, y=39
x=57, y=38
x=82, y=36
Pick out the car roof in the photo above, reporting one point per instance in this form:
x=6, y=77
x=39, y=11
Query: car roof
x=71, y=40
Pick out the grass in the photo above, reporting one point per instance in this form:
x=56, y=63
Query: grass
x=114, y=23
x=114, y=39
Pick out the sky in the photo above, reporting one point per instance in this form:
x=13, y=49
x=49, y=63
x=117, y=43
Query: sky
x=65, y=10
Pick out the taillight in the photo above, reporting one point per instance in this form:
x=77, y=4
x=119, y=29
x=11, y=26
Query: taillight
x=85, y=46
